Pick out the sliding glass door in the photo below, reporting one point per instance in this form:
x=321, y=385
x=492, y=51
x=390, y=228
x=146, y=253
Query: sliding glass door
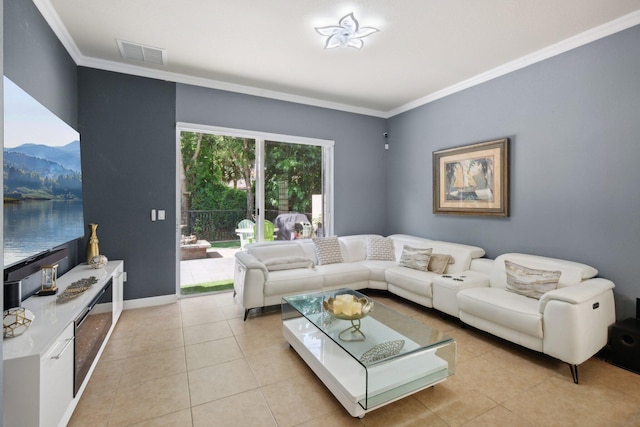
x=244, y=187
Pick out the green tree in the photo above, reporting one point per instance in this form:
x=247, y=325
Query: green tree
x=209, y=181
x=296, y=167
x=213, y=166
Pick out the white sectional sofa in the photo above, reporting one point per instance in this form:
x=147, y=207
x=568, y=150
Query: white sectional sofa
x=569, y=323
x=258, y=284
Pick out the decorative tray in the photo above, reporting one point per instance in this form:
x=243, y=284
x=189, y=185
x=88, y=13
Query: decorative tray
x=348, y=307
x=77, y=288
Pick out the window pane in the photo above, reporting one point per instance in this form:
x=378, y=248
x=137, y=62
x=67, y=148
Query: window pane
x=293, y=189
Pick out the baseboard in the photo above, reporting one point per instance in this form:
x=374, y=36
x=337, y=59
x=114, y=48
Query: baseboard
x=149, y=302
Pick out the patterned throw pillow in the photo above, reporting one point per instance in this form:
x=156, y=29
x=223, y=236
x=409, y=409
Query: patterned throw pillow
x=288, y=263
x=530, y=282
x=327, y=250
x=416, y=258
x=438, y=262
x=380, y=248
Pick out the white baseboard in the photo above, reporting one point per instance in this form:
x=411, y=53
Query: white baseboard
x=149, y=302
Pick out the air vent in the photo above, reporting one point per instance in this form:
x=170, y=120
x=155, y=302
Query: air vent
x=138, y=52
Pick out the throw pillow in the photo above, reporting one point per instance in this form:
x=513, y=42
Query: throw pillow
x=438, y=262
x=288, y=263
x=380, y=248
x=530, y=282
x=416, y=258
x=327, y=250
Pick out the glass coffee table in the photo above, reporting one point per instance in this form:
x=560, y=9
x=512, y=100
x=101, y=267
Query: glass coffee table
x=370, y=361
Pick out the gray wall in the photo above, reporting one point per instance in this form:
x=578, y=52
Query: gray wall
x=37, y=62
x=359, y=170
x=127, y=125
x=574, y=125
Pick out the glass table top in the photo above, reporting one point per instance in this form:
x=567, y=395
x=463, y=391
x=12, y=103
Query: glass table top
x=380, y=336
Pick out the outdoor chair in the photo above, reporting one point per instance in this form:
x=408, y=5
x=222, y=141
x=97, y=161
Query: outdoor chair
x=307, y=230
x=245, y=232
x=269, y=229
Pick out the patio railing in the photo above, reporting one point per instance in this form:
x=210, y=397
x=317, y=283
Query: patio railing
x=219, y=225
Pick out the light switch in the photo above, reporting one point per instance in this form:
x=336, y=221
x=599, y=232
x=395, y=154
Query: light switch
x=161, y=215
x=153, y=214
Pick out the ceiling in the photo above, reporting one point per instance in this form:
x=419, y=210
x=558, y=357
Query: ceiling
x=425, y=49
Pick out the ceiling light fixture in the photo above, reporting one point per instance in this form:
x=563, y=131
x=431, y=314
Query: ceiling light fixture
x=346, y=34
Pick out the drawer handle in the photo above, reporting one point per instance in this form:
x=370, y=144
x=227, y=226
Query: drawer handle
x=59, y=355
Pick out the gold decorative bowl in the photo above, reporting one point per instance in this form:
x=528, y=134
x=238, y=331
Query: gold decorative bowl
x=366, y=304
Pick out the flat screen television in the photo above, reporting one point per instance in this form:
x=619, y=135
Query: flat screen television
x=42, y=179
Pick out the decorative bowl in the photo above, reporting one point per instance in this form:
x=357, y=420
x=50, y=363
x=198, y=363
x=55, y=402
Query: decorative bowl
x=366, y=303
x=98, y=261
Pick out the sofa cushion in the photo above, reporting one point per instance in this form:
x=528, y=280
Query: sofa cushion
x=327, y=250
x=438, y=262
x=354, y=248
x=507, y=309
x=415, y=258
x=287, y=282
x=530, y=282
x=344, y=274
x=377, y=269
x=380, y=248
x=288, y=263
x=462, y=255
x=415, y=281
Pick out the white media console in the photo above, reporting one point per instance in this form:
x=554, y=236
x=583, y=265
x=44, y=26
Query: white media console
x=39, y=366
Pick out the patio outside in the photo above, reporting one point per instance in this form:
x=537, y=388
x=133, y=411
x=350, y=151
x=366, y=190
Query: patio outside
x=211, y=274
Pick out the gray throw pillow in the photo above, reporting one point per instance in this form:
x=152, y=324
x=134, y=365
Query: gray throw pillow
x=288, y=263
x=416, y=258
x=530, y=282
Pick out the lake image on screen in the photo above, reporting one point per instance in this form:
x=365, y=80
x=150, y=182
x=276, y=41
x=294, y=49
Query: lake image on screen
x=42, y=173
x=34, y=226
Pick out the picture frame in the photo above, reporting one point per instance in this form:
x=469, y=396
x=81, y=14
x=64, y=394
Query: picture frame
x=472, y=179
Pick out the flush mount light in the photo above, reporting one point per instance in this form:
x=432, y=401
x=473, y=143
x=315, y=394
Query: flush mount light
x=346, y=34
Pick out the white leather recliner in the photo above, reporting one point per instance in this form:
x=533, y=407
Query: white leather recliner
x=570, y=323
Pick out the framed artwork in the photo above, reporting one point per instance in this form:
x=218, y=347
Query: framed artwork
x=472, y=179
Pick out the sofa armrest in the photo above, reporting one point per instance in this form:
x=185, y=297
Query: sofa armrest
x=250, y=262
x=576, y=320
x=576, y=294
x=249, y=278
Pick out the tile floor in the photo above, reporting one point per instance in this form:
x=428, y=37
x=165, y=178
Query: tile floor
x=196, y=363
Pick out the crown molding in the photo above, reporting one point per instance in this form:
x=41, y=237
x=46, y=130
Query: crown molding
x=155, y=73
x=586, y=37
x=53, y=19
x=50, y=15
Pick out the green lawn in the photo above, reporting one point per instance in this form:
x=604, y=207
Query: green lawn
x=221, y=285
x=228, y=244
